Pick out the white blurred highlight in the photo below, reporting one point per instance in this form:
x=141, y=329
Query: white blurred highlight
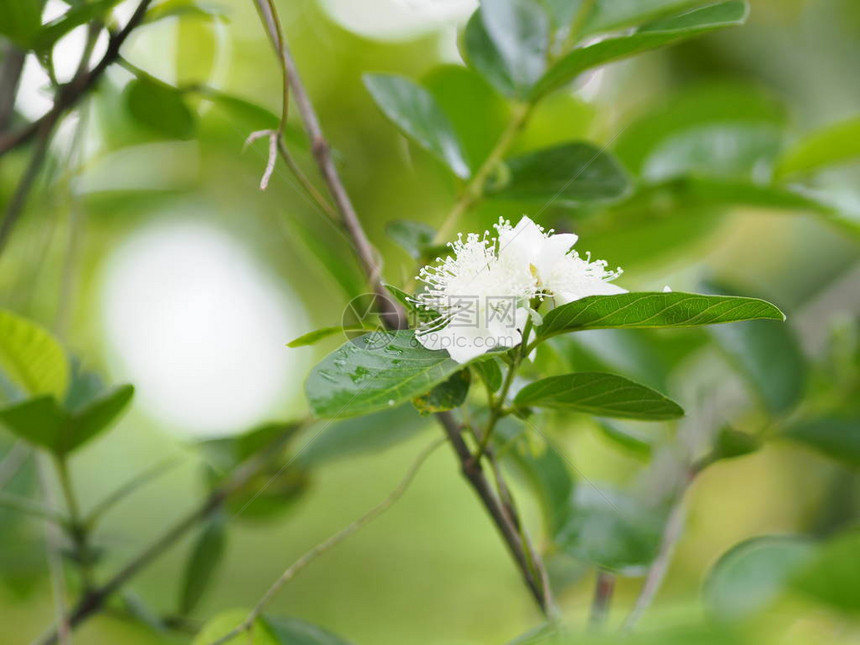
x=200, y=330
x=397, y=19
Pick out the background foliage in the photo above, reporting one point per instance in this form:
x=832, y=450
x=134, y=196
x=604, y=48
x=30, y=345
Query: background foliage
x=723, y=164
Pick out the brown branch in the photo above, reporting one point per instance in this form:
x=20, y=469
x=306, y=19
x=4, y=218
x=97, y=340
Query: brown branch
x=94, y=600
x=471, y=468
x=393, y=315
x=604, y=587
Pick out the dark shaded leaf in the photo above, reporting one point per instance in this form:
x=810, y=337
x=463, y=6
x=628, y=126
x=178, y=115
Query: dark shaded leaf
x=446, y=396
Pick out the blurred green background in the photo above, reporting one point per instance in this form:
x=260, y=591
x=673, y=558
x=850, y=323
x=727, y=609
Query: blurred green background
x=161, y=263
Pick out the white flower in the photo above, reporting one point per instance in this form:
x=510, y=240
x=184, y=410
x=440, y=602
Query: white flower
x=483, y=292
x=560, y=272
x=482, y=301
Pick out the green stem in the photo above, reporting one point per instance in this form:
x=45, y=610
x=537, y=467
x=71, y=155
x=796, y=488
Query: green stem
x=497, y=405
x=474, y=189
x=77, y=529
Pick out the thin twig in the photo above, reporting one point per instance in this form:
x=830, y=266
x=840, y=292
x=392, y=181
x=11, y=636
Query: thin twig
x=473, y=192
x=334, y=540
x=12, y=462
x=53, y=541
x=94, y=600
x=22, y=191
x=654, y=579
x=127, y=488
x=604, y=587
x=31, y=507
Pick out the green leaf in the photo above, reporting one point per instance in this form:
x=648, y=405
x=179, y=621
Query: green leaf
x=31, y=358
x=372, y=433
x=43, y=422
x=223, y=623
x=604, y=395
x=715, y=150
x=415, y=112
x=609, y=15
x=566, y=174
x=159, y=107
x=653, y=309
x=38, y=421
x=374, y=372
x=96, y=416
x=313, y=337
x=490, y=373
x=612, y=530
x=75, y=17
x=481, y=54
x=20, y=21
x=205, y=558
x=714, y=104
x=837, y=437
x=768, y=355
x=414, y=237
x=519, y=31
x=832, y=576
x=638, y=446
x=731, y=443
x=652, y=36
x=830, y=146
x=447, y=395
x=544, y=470
x=751, y=575
x=562, y=12
x=181, y=8
x=292, y=631
x=478, y=113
